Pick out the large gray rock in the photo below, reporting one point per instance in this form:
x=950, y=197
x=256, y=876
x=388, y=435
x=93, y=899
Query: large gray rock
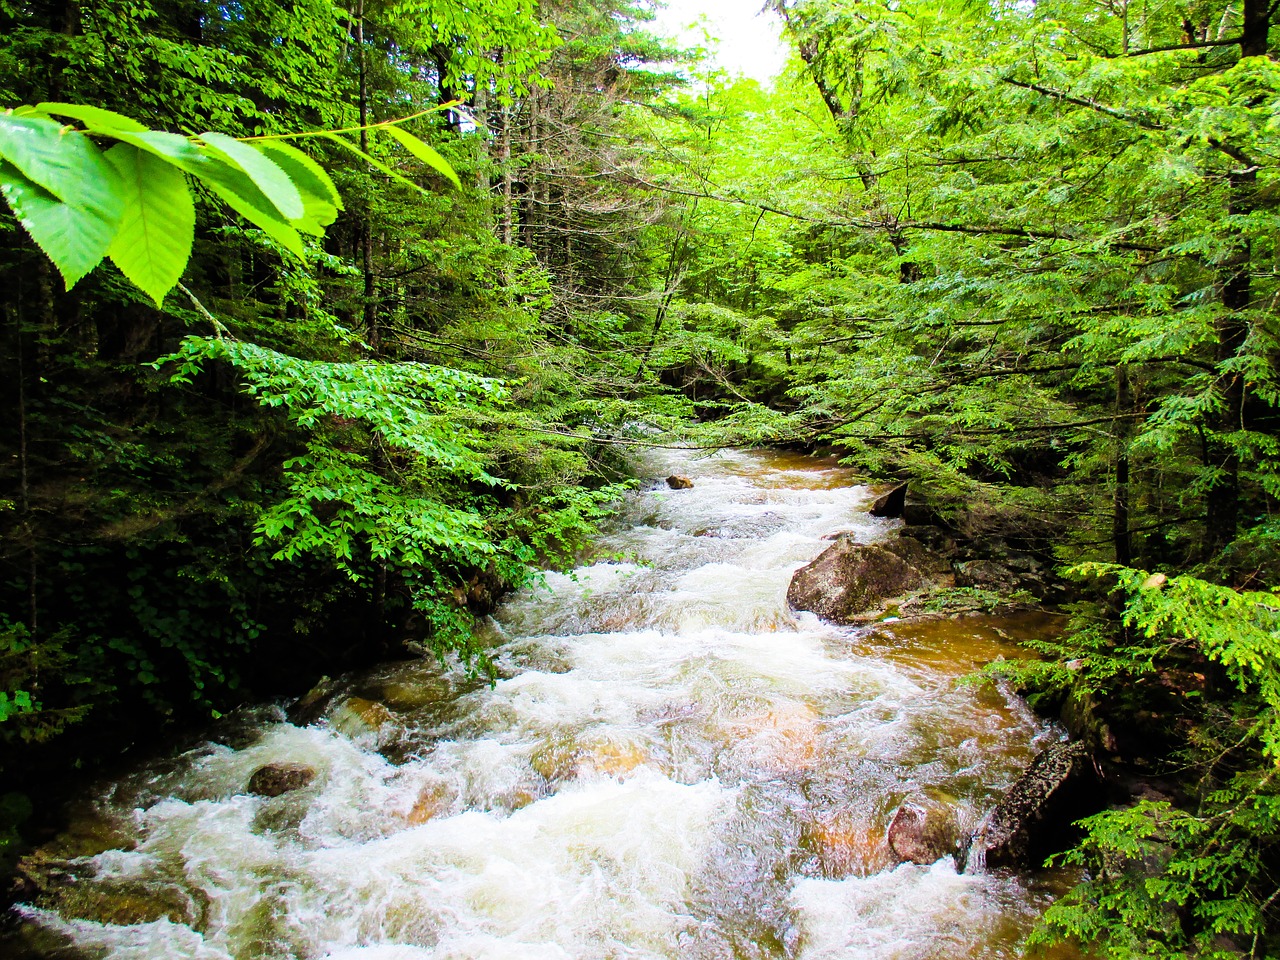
x=853, y=582
x=924, y=831
x=1034, y=820
x=916, y=513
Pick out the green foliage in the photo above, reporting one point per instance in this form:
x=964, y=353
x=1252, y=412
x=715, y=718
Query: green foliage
x=23, y=717
x=1166, y=882
x=134, y=202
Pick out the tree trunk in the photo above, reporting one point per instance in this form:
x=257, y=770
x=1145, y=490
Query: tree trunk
x=1223, y=496
x=504, y=158
x=1255, y=31
x=370, y=308
x=449, y=92
x=1120, y=535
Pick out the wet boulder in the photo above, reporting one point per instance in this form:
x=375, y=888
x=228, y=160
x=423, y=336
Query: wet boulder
x=1035, y=819
x=890, y=505
x=852, y=582
x=309, y=707
x=434, y=800
x=846, y=846
x=1003, y=577
x=677, y=482
x=277, y=778
x=361, y=717
x=924, y=831
x=935, y=539
x=123, y=904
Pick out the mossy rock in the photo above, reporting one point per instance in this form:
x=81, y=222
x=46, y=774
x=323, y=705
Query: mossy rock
x=120, y=904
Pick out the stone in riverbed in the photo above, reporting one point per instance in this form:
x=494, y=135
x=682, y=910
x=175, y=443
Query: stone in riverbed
x=915, y=513
x=358, y=716
x=852, y=582
x=677, y=482
x=277, y=778
x=890, y=505
x=1035, y=819
x=846, y=846
x=924, y=832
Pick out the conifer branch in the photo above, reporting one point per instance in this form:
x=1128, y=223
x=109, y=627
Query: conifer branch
x=1197, y=45
x=1089, y=104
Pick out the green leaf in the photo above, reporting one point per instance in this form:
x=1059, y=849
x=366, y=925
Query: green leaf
x=230, y=182
x=64, y=193
x=368, y=159
x=153, y=244
x=264, y=172
x=320, y=197
x=424, y=152
x=317, y=216
x=270, y=223
x=234, y=186
x=94, y=118
x=306, y=174
x=74, y=237
x=65, y=162
x=172, y=147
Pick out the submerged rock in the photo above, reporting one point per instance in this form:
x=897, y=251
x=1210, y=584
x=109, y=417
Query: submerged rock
x=891, y=504
x=677, y=482
x=1035, y=819
x=846, y=846
x=852, y=582
x=433, y=800
x=358, y=716
x=277, y=778
x=124, y=904
x=924, y=832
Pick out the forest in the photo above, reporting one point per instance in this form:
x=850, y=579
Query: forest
x=419, y=276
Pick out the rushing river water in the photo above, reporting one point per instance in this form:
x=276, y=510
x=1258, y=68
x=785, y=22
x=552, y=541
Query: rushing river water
x=673, y=765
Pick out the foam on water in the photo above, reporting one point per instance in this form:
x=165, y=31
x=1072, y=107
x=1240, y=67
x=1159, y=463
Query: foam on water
x=673, y=765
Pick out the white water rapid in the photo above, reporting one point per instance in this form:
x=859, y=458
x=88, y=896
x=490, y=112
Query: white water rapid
x=673, y=765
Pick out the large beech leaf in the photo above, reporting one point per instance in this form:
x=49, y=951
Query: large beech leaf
x=424, y=152
x=63, y=161
x=65, y=194
x=320, y=198
x=269, y=222
x=153, y=244
x=74, y=237
x=95, y=119
x=172, y=147
x=308, y=175
x=262, y=170
x=343, y=142
x=318, y=215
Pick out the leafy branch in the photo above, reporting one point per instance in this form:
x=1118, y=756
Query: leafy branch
x=133, y=202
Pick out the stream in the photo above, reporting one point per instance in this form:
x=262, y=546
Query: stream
x=672, y=765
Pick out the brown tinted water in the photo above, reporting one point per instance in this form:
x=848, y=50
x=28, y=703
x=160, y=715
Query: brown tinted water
x=673, y=765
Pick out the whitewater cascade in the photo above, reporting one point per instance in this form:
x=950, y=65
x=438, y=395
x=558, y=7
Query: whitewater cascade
x=672, y=765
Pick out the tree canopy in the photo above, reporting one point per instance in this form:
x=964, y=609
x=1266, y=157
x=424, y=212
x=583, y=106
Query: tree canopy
x=323, y=325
